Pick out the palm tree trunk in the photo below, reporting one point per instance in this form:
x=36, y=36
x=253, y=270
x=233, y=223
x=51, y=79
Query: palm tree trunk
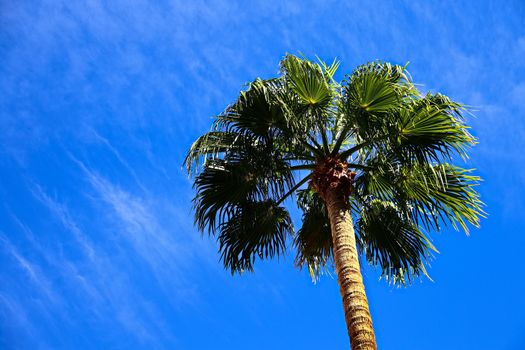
x=355, y=303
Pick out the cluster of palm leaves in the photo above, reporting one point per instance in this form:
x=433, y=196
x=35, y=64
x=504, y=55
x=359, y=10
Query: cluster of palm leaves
x=263, y=148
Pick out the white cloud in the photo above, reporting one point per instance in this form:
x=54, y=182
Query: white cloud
x=99, y=278
x=161, y=234
x=31, y=270
x=61, y=213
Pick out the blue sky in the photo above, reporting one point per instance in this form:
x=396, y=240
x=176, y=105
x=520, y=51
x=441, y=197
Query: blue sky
x=99, y=102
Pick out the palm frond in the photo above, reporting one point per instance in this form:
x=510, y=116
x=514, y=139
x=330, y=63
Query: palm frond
x=253, y=173
x=254, y=230
x=268, y=111
x=370, y=97
x=442, y=193
x=374, y=87
x=432, y=128
x=213, y=145
x=307, y=81
x=393, y=242
x=314, y=239
x=257, y=111
x=432, y=194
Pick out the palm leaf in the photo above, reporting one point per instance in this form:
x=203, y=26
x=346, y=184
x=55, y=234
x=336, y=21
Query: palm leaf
x=253, y=173
x=442, y=193
x=307, y=81
x=372, y=88
x=213, y=145
x=255, y=229
x=432, y=194
x=393, y=242
x=432, y=128
x=314, y=239
x=371, y=95
x=257, y=111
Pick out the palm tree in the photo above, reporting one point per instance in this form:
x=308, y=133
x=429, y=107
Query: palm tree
x=373, y=151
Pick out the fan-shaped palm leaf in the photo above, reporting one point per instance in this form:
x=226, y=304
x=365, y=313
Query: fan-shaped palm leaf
x=430, y=130
x=255, y=229
x=314, y=239
x=392, y=241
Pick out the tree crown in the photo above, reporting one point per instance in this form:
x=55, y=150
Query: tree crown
x=395, y=144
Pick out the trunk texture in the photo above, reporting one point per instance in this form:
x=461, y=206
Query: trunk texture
x=355, y=303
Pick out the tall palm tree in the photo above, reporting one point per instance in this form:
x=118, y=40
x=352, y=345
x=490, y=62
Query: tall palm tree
x=367, y=160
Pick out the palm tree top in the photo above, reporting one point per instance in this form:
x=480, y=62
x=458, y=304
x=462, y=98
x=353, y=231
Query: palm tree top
x=386, y=146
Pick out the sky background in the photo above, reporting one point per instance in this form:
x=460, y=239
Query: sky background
x=99, y=102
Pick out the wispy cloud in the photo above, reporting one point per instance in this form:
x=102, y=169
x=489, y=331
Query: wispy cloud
x=119, y=157
x=60, y=211
x=31, y=270
x=134, y=219
x=97, y=278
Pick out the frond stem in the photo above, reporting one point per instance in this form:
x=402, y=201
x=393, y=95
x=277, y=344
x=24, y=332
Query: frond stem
x=293, y=189
x=299, y=158
x=314, y=150
x=303, y=167
x=359, y=166
x=356, y=148
x=340, y=140
x=314, y=141
x=325, y=140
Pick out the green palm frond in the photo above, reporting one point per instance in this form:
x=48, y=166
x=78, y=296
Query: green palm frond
x=374, y=88
x=257, y=111
x=370, y=97
x=432, y=194
x=307, y=81
x=212, y=145
x=442, y=193
x=393, y=242
x=254, y=230
x=314, y=239
x=379, y=178
x=330, y=70
x=266, y=110
x=252, y=173
x=432, y=128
